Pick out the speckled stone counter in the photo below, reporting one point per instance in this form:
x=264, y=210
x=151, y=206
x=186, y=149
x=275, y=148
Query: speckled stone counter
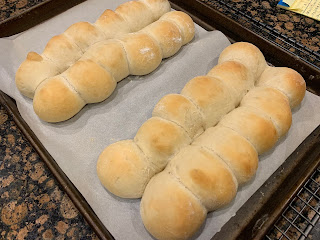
x=32, y=203
x=12, y=8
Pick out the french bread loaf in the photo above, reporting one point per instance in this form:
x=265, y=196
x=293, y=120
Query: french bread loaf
x=178, y=119
x=65, y=49
x=95, y=75
x=206, y=173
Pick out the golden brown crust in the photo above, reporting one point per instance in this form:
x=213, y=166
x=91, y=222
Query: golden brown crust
x=112, y=24
x=167, y=34
x=94, y=76
x=236, y=76
x=169, y=210
x=158, y=7
x=129, y=10
x=62, y=51
x=271, y=102
x=257, y=129
x=247, y=54
x=56, y=101
x=231, y=147
x=84, y=34
x=27, y=80
x=124, y=170
x=212, y=96
x=287, y=80
x=93, y=83
x=33, y=56
x=110, y=55
x=184, y=22
x=179, y=109
x=143, y=53
x=159, y=139
x=205, y=175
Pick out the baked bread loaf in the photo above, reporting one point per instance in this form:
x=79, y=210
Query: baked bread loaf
x=94, y=76
x=204, y=176
x=65, y=49
x=178, y=119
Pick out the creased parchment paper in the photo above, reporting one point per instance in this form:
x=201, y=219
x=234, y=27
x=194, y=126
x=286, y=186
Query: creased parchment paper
x=77, y=143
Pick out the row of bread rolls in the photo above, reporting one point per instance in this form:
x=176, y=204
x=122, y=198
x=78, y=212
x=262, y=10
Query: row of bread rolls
x=205, y=175
x=65, y=49
x=95, y=75
x=125, y=167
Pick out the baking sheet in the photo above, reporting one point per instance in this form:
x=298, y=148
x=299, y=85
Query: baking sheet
x=77, y=143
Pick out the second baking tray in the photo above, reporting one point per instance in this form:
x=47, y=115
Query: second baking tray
x=258, y=214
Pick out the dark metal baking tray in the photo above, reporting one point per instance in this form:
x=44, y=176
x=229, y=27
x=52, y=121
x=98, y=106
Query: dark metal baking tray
x=255, y=217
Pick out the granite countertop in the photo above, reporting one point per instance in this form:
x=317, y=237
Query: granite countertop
x=32, y=203
x=12, y=8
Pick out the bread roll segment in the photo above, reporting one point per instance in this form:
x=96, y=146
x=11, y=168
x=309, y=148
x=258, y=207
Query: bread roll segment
x=112, y=24
x=65, y=49
x=93, y=83
x=180, y=110
x=259, y=130
x=286, y=80
x=129, y=10
x=184, y=22
x=272, y=103
x=110, y=55
x=84, y=34
x=159, y=139
x=236, y=151
x=58, y=96
x=157, y=7
x=62, y=51
x=32, y=72
x=169, y=204
x=205, y=174
x=246, y=54
x=124, y=156
x=167, y=34
x=212, y=96
x=143, y=53
x=236, y=75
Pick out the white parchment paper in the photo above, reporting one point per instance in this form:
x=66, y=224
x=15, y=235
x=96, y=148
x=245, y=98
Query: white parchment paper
x=76, y=144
